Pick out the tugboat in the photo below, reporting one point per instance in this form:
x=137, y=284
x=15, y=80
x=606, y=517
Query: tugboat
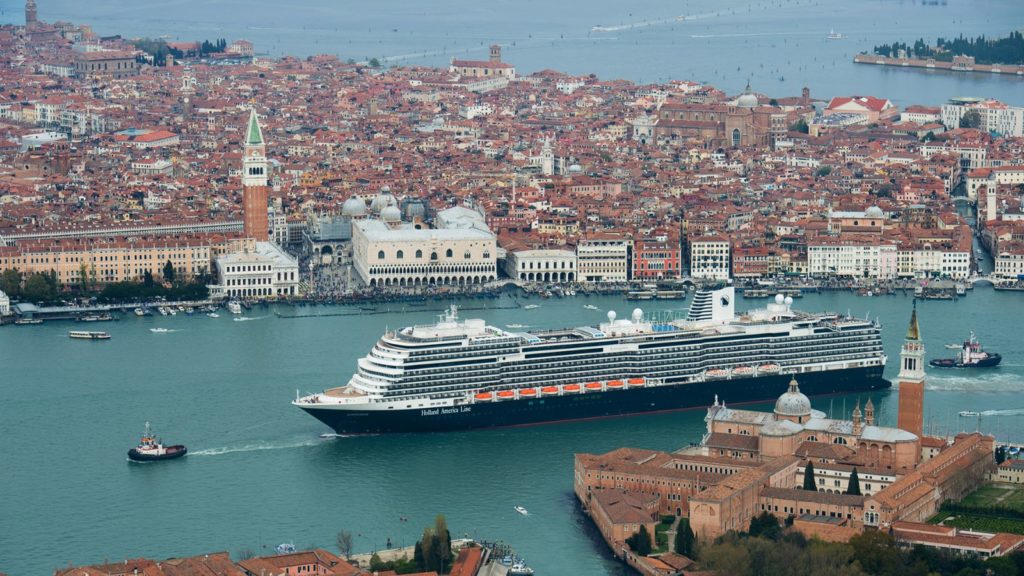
x=971, y=355
x=151, y=449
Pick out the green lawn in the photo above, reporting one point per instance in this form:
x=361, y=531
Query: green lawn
x=989, y=496
x=987, y=524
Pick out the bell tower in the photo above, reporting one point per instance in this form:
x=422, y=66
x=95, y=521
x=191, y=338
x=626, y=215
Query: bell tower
x=911, y=380
x=30, y=13
x=254, y=181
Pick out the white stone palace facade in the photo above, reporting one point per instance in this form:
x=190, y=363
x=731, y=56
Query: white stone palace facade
x=406, y=256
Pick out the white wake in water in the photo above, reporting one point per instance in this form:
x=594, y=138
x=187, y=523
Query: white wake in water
x=1017, y=412
x=247, y=319
x=969, y=382
x=163, y=330
x=257, y=446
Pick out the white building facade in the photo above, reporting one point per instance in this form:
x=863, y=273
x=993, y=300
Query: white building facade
x=602, y=260
x=853, y=260
x=406, y=256
x=710, y=259
x=1010, y=265
x=541, y=265
x=264, y=272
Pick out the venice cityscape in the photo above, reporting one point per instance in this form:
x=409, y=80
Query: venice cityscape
x=703, y=287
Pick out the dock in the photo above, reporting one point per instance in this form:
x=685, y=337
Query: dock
x=959, y=64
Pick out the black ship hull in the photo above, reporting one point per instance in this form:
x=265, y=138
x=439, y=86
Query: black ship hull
x=992, y=360
x=172, y=453
x=575, y=406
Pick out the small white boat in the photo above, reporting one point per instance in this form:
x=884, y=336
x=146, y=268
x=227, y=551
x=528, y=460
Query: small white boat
x=969, y=413
x=531, y=306
x=952, y=346
x=172, y=311
x=833, y=35
x=159, y=330
x=519, y=568
x=213, y=315
x=521, y=510
x=234, y=307
x=163, y=311
x=140, y=312
x=590, y=307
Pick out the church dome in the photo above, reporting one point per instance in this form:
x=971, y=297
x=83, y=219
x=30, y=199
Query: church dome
x=382, y=200
x=747, y=99
x=354, y=206
x=391, y=214
x=874, y=212
x=793, y=402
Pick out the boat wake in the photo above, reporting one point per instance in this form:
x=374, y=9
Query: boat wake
x=256, y=447
x=162, y=330
x=991, y=383
x=1016, y=412
x=248, y=319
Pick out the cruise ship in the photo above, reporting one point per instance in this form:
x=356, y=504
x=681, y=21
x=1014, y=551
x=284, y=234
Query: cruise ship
x=462, y=374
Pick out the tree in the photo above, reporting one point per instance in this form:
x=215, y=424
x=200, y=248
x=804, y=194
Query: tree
x=147, y=279
x=853, y=487
x=427, y=550
x=800, y=126
x=169, y=272
x=418, y=558
x=640, y=542
x=374, y=63
x=684, y=538
x=443, y=542
x=344, y=542
x=971, y=119
x=10, y=282
x=765, y=525
x=39, y=288
x=809, y=483
x=823, y=170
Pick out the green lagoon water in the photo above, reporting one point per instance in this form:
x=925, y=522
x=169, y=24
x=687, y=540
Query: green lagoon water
x=259, y=474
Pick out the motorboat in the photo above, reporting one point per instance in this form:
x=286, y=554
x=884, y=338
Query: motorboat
x=519, y=568
x=151, y=449
x=969, y=413
x=213, y=315
x=522, y=510
x=234, y=307
x=971, y=355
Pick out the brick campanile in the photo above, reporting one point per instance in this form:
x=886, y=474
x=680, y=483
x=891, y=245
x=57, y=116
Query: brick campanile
x=911, y=380
x=254, y=182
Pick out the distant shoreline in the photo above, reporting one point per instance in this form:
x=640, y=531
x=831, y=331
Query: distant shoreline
x=1005, y=69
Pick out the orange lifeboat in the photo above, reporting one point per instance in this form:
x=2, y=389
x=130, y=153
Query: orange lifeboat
x=528, y=392
x=615, y=384
x=571, y=388
x=485, y=396
x=593, y=386
x=505, y=394
x=549, y=390
x=635, y=381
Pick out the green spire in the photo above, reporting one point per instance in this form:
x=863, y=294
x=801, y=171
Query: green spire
x=254, y=133
x=913, y=332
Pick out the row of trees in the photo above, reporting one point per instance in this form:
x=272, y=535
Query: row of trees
x=1008, y=50
x=36, y=287
x=44, y=286
x=159, y=50
x=769, y=548
x=432, y=552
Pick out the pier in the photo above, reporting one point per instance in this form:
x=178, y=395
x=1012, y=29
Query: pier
x=957, y=65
